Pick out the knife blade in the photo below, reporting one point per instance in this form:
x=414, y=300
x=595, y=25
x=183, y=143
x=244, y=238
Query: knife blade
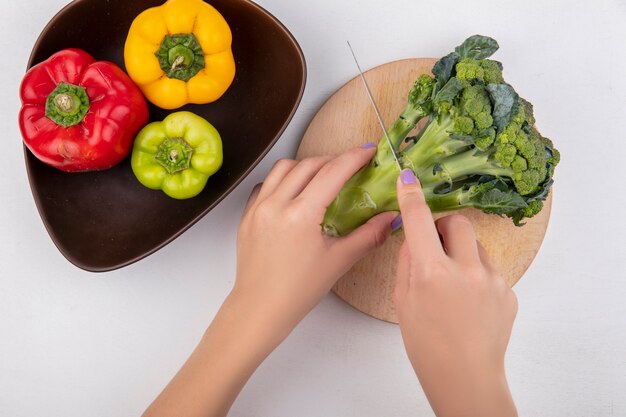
x=380, y=119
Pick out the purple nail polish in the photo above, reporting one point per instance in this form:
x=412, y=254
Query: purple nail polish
x=408, y=177
x=396, y=224
x=369, y=145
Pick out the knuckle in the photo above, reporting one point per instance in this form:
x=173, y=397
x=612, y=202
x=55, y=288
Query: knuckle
x=300, y=204
x=475, y=271
x=292, y=215
x=502, y=285
x=421, y=280
x=296, y=212
x=310, y=206
x=494, y=274
x=433, y=269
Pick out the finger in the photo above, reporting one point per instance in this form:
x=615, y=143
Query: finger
x=402, y=275
x=367, y=237
x=484, y=257
x=327, y=183
x=419, y=227
x=254, y=194
x=459, y=238
x=279, y=171
x=300, y=176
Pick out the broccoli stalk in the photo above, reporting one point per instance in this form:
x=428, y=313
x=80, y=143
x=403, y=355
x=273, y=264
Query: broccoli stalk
x=417, y=108
x=479, y=147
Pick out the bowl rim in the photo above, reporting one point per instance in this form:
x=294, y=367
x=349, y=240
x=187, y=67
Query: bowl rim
x=192, y=222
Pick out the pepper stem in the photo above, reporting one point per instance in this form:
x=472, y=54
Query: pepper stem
x=177, y=62
x=67, y=105
x=64, y=102
x=174, y=154
x=180, y=56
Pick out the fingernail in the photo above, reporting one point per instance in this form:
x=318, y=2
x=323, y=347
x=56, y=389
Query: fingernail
x=369, y=145
x=396, y=224
x=408, y=177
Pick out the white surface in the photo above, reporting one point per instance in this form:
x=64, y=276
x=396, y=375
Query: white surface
x=76, y=344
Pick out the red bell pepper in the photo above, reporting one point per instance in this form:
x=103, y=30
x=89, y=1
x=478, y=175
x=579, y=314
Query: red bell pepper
x=79, y=114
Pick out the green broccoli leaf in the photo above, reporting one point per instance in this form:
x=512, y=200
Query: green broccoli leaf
x=495, y=196
x=501, y=202
x=442, y=70
x=449, y=91
x=477, y=47
x=505, y=100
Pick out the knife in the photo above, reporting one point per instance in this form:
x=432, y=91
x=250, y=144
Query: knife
x=380, y=119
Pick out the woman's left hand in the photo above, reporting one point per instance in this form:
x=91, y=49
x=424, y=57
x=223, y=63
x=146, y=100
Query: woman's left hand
x=285, y=266
x=284, y=261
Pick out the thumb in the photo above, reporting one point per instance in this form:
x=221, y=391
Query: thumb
x=368, y=237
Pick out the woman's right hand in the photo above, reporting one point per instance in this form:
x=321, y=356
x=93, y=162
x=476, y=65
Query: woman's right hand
x=455, y=311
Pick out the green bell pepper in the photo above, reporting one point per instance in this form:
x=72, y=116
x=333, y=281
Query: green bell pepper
x=177, y=155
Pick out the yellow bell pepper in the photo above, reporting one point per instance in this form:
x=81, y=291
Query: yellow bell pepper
x=180, y=53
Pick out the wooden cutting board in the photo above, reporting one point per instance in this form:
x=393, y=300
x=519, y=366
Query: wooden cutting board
x=347, y=120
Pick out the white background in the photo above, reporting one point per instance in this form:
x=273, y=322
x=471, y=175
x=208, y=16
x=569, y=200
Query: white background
x=77, y=344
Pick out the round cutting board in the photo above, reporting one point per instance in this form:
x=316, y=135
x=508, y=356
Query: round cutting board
x=346, y=120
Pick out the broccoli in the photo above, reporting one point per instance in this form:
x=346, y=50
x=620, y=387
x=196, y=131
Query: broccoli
x=479, y=147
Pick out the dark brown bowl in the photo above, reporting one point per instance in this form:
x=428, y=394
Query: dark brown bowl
x=105, y=220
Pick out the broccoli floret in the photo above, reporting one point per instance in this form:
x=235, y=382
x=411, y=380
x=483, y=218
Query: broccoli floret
x=474, y=115
x=483, y=120
x=527, y=108
x=505, y=153
x=525, y=153
x=531, y=210
x=421, y=91
x=485, y=139
x=464, y=124
x=484, y=71
x=492, y=71
x=468, y=71
x=519, y=164
x=479, y=147
x=475, y=101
